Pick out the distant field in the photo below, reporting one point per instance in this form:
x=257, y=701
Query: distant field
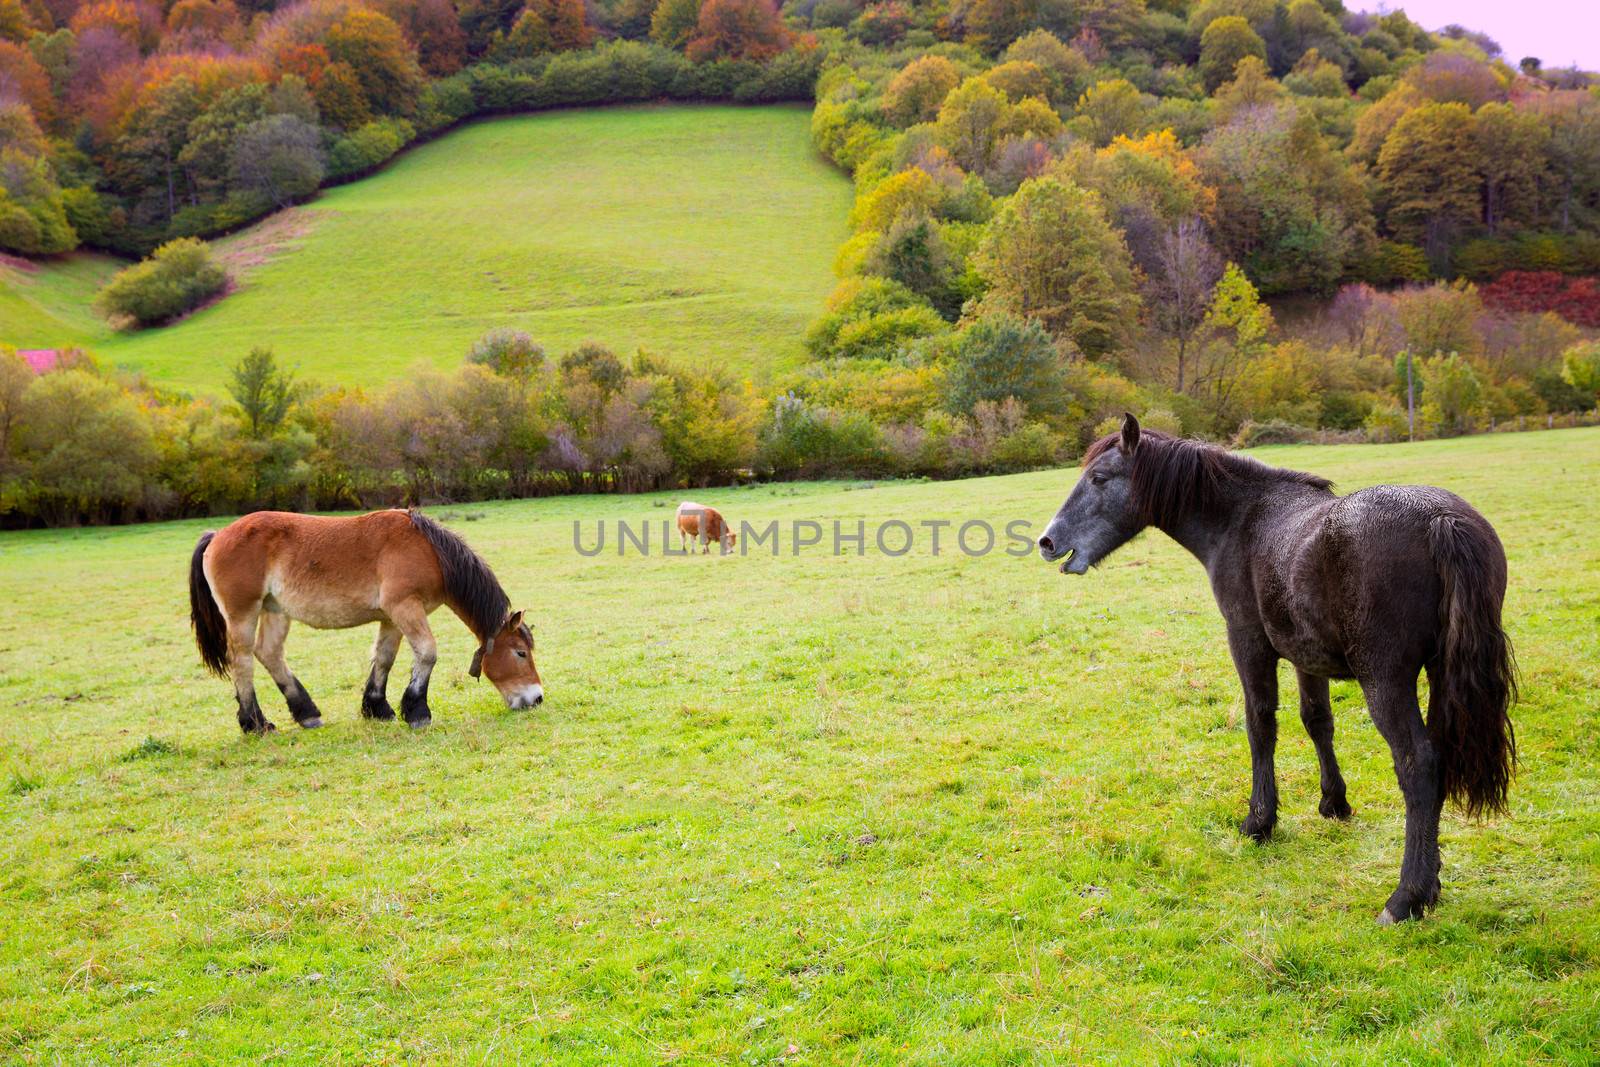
x=940, y=810
x=702, y=233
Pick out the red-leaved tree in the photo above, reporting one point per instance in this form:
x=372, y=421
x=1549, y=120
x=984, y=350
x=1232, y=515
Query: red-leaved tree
x=738, y=29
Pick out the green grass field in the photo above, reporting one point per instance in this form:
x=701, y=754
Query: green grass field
x=928, y=809
x=702, y=233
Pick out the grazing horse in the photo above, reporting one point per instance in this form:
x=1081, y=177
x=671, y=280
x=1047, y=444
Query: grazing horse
x=1376, y=586
x=390, y=567
x=704, y=525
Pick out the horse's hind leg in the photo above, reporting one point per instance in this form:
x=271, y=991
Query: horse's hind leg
x=242, y=666
x=1257, y=663
x=269, y=650
x=413, y=623
x=1393, y=704
x=1316, y=712
x=375, y=698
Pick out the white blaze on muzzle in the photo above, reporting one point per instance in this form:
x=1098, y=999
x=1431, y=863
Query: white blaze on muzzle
x=527, y=697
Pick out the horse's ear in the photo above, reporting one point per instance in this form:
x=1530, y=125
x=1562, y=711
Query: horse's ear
x=514, y=622
x=476, y=670
x=1130, y=434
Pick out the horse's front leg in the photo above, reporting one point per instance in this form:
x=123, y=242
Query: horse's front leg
x=1257, y=663
x=412, y=620
x=1316, y=712
x=1392, y=703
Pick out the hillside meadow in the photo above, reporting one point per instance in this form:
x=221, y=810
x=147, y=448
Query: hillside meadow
x=705, y=233
x=794, y=808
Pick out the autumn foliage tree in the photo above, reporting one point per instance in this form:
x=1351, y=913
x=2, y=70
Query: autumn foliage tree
x=915, y=93
x=738, y=29
x=1051, y=256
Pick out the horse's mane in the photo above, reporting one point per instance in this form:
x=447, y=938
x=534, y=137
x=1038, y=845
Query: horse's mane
x=1174, y=476
x=467, y=578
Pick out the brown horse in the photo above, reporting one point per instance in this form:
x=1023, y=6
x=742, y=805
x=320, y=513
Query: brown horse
x=1378, y=586
x=390, y=567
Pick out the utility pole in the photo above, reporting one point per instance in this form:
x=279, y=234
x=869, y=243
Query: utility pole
x=1411, y=402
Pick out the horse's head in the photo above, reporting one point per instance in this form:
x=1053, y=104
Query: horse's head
x=1101, y=515
x=729, y=539
x=507, y=658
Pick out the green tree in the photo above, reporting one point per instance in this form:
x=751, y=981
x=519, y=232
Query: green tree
x=86, y=448
x=970, y=123
x=1051, y=256
x=1224, y=43
x=178, y=277
x=1108, y=110
x=1511, y=150
x=263, y=391
x=1429, y=176
x=1580, y=368
x=1002, y=356
x=509, y=353
x=914, y=94
x=673, y=21
x=1453, y=401
x=1290, y=210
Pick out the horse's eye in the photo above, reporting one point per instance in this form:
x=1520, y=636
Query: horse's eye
x=1098, y=479
x=521, y=654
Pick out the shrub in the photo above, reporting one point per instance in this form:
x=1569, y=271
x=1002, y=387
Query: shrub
x=179, y=277
x=1001, y=357
x=1395, y=262
x=368, y=147
x=1253, y=434
x=871, y=318
x=507, y=352
x=1575, y=299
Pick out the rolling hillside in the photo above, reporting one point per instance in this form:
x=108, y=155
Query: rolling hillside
x=703, y=233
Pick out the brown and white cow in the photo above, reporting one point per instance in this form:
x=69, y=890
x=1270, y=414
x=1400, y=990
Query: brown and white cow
x=704, y=524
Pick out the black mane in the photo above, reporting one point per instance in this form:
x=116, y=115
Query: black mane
x=471, y=585
x=1174, y=476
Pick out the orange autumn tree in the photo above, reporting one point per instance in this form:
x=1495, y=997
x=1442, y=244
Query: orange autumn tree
x=738, y=29
x=22, y=78
x=139, y=24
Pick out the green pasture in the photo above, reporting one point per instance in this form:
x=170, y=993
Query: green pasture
x=801, y=809
x=705, y=234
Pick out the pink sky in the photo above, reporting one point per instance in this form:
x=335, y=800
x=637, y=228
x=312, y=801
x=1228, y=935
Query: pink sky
x=1560, y=32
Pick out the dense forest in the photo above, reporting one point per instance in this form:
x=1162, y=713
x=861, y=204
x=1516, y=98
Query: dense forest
x=1064, y=209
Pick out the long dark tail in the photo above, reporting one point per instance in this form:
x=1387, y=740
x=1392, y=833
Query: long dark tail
x=210, y=631
x=1476, y=674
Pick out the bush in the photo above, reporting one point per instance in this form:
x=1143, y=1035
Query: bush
x=179, y=277
x=1000, y=357
x=368, y=147
x=1575, y=299
x=1253, y=434
x=1395, y=262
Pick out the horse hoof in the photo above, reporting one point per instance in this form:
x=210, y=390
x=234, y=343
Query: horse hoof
x=1255, y=831
x=1334, y=808
x=419, y=723
x=312, y=724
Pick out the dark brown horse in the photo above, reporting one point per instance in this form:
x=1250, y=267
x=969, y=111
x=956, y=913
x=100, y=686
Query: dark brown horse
x=1377, y=586
x=390, y=567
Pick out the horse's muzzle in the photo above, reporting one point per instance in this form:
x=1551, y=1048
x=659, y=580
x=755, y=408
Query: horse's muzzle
x=531, y=697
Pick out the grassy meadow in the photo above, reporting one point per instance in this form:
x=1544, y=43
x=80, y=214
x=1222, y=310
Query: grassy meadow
x=703, y=233
x=803, y=809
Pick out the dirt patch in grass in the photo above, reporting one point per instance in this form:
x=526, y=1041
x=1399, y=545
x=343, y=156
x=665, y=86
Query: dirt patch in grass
x=17, y=263
x=267, y=239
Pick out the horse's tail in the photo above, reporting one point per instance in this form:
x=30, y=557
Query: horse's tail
x=210, y=630
x=1476, y=674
